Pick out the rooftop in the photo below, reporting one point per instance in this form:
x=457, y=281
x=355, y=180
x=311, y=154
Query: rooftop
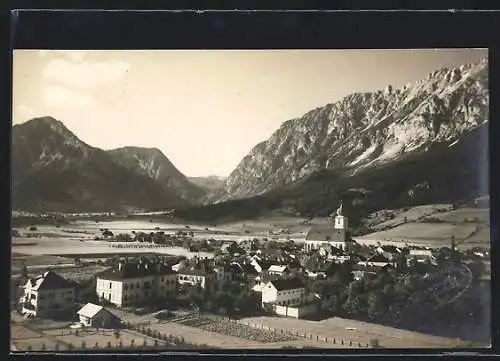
x=287, y=284
x=50, y=281
x=129, y=270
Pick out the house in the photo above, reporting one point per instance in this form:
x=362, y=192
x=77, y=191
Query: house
x=97, y=316
x=361, y=270
x=337, y=255
x=47, y=295
x=286, y=297
x=229, y=247
x=243, y=271
x=194, y=276
x=278, y=270
x=283, y=292
x=223, y=272
x=337, y=236
x=421, y=255
x=260, y=265
x=389, y=251
x=132, y=283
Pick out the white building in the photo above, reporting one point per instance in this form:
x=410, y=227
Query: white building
x=194, y=277
x=92, y=315
x=278, y=270
x=133, y=283
x=421, y=256
x=336, y=236
x=47, y=295
x=283, y=292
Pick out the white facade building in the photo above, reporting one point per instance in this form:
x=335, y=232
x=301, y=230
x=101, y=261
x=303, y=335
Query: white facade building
x=46, y=295
x=283, y=292
x=135, y=283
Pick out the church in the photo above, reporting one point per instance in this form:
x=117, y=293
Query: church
x=337, y=235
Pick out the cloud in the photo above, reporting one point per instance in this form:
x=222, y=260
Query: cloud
x=56, y=96
x=84, y=74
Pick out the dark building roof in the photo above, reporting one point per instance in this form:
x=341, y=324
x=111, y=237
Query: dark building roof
x=51, y=281
x=131, y=270
x=379, y=258
x=194, y=272
x=391, y=249
x=288, y=284
x=369, y=268
x=327, y=234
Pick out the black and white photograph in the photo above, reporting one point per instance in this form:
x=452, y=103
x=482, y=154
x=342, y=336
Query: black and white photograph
x=169, y=200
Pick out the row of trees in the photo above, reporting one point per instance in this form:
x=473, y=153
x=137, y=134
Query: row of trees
x=398, y=299
x=224, y=297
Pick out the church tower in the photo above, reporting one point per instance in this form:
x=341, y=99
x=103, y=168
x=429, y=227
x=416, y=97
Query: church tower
x=340, y=221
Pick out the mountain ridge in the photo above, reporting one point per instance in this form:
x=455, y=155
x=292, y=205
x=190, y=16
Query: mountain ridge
x=53, y=170
x=366, y=129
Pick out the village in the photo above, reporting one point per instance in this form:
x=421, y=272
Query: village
x=326, y=292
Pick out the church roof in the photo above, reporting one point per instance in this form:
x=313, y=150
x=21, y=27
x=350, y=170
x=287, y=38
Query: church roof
x=327, y=234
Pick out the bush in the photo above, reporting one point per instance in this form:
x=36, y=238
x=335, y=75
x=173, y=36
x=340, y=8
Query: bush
x=83, y=345
x=56, y=347
x=70, y=346
x=44, y=347
x=145, y=343
x=96, y=345
x=108, y=345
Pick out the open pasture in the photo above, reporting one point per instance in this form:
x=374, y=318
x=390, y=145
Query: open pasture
x=411, y=215
x=356, y=331
x=479, y=215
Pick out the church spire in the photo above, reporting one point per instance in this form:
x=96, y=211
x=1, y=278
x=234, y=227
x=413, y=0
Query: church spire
x=339, y=210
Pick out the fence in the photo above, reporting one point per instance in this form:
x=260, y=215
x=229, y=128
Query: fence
x=305, y=335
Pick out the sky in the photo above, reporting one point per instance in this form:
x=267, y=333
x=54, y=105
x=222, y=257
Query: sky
x=204, y=109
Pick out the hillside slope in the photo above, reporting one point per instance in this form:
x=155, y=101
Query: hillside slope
x=367, y=130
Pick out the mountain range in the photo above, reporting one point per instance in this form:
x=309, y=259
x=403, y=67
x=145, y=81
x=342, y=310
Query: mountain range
x=421, y=142
x=53, y=170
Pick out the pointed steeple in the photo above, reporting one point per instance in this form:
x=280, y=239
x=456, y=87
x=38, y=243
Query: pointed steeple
x=339, y=210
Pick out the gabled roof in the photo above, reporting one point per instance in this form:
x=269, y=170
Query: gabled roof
x=50, y=281
x=276, y=268
x=420, y=252
x=390, y=248
x=131, y=270
x=379, y=258
x=90, y=310
x=287, y=284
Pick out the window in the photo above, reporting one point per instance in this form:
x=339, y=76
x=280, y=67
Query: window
x=69, y=299
x=56, y=306
x=110, y=285
x=162, y=279
x=125, y=298
x=132, y=286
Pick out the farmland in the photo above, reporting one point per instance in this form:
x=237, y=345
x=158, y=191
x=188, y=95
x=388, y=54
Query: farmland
x=431, y=226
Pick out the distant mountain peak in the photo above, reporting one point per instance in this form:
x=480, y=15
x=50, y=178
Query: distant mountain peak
x=367, y=129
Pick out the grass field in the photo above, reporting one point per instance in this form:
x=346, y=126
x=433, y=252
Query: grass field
x=356, y=331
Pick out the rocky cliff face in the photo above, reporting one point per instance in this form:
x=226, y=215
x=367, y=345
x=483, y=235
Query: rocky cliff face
x=53, y=170
x=365, y=130
x=151, y=162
